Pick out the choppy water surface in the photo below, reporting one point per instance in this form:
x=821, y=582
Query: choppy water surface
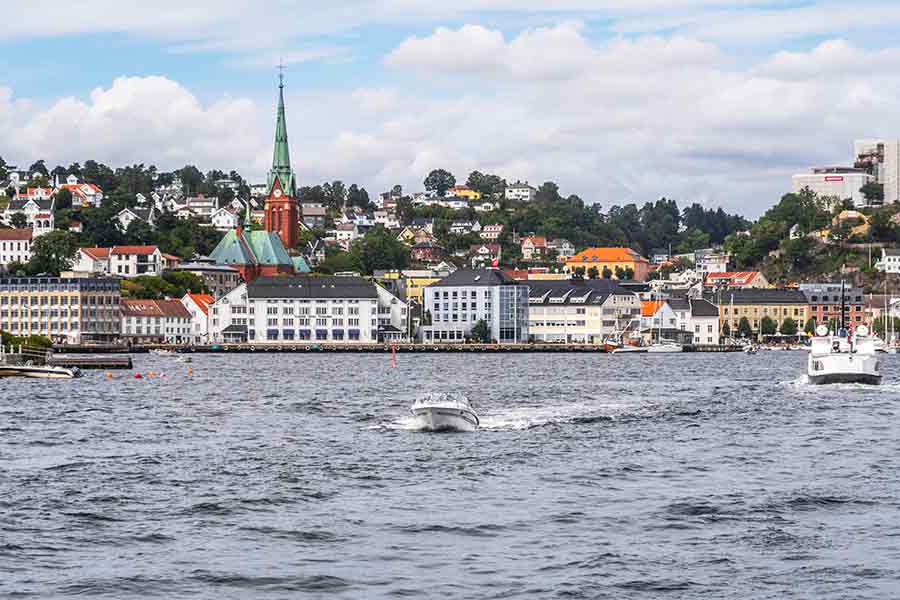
x=682, y=476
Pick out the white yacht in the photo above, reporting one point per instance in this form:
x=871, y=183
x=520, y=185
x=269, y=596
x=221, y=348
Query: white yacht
x=664, y=347
x=843, y=358
x=443, y=412
x=38, y=371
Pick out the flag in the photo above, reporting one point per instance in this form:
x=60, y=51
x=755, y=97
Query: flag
x=496, y=262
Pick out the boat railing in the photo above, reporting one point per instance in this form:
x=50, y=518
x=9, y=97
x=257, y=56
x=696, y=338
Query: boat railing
x=23, y=355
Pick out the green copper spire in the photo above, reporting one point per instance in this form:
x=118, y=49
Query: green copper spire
x=281, y=158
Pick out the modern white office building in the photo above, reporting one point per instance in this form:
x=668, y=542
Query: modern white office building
x=457, y=302
x=838, y=182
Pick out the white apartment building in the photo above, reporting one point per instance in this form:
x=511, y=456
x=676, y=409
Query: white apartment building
x=520, y=192
x=155, y=321
x=393, y=315
x=580, y=311
x=838, y=182
x=132, y=261
x=457, y=302
x=298, y=309
x=198, y=307
x=883, y=157
x=15, y=246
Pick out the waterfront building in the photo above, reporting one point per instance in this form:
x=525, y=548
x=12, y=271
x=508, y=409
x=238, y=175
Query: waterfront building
x=15, y=246
x=755, y=304
x=393, y=316
x=612, y=259
x=698, y=317
x=66, y=309
x=580, y=311
x=837, y=182
x=825, y=303
x=457, y=302
x=297, y=309
x=198, y=307
x=155, y=321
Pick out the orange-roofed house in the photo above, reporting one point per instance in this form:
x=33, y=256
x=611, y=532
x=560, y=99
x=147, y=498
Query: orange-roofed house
x=737, y=280
x=120, y=261
x=198, y=306
x=534, y=247
x=612, y=259
x=155, y=321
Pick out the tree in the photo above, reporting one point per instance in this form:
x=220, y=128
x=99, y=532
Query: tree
x=767, y=326
x=439, y=181
x=788, y=327
x=874, y=193
x=39, y=167
x=744, y=329
x=379, y=249
x=592, y=273
x=191, y=178
x=487, y=185
x=53, y=252
x=63, y=199
x=481, y=332
x=4, y=171
x=810, y=327
x=19, y=221
x=882, y=324
x=357, y=196
x=17, y=268
x=628, y=273
x=607, y=273
x=726, y=330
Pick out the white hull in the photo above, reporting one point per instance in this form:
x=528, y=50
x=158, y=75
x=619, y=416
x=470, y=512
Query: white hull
x=449, y=417
x=37, y=372
x=843, y=367
x=664, y=348
x=630, y=350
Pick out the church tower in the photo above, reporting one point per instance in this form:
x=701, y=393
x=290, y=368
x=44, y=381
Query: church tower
x=282, y=209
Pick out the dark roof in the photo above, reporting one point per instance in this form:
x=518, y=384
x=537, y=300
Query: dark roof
x=698, y=307
x=242, y=329
x=476, y=277
x=891, y=251
x=574, y=291
x=20, y=202
x=311, y=286
x=761, y=296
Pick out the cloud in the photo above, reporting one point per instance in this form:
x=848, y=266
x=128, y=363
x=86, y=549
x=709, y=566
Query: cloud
x=135, y=120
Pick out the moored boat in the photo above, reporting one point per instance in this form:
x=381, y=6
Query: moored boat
x=38, y=371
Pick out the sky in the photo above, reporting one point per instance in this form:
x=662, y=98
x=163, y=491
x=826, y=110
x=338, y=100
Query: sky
x=710, y=101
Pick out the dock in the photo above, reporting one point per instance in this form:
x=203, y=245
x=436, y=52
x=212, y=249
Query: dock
x=82, y=361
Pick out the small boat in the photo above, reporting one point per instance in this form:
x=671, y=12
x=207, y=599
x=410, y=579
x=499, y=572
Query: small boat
x=750, y=349
x=39, y=371
x=665, y=347
x=443, y=412
x=843, y=358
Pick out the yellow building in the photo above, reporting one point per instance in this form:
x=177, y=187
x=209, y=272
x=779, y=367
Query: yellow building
x=609, y=258
x=61, y=308
x=462, y=191
x=756, y=304
x=411, y=282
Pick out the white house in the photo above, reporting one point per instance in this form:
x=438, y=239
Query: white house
x=890, y=261
x=37, y=209
x=129, y=215
x=698, y=317
x=491, y=232
x=15, y=246
x=198, y=307
x=457, y=302
x=226, y=219
x=299, y=309
x=132, y=261
x=92, y=260
x=84, y=194
x=710, y=261
x=387, y=218
x=520, y=192
x=393, y=315
x=155, y=321
x=464, y=227
x=580, y=311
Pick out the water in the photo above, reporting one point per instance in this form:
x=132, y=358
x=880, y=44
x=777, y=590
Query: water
x=638, y=476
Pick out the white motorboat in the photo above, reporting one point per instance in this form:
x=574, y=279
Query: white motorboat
x=750, y=349
x=443, y=412
x=843, y=358
x=665, y=347
x=630, y=350
x=38, y=371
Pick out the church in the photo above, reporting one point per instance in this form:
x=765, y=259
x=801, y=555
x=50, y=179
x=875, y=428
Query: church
x=268, y=252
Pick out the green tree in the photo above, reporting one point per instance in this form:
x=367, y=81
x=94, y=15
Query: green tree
x=191, y=178
x=16, y=268
x=744, y=329
x=883, y=324
x=767, y=326
x=592, y=273
x=380, y=249
x=337, y=261
x=4, y=170
x=788, y=327
x=628, y=273
x=53, y=252
x=19, y=221
x=439, y=181
x=481, y=332
x=607, y=273
x=726, y=329
x=39, y=167
x=873, y=192
x=810, y=327
x=63, y=199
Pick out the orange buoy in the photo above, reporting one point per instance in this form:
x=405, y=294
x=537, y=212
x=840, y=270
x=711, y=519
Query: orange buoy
x=109, y=374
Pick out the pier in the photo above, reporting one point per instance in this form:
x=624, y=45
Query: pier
x=82, y=361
